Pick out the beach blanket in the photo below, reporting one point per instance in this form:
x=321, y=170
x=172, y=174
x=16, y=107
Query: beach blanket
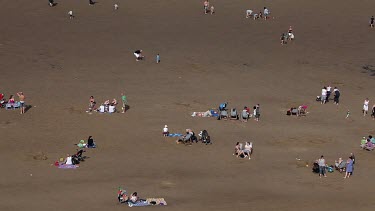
x=64, y=166
x=209, y=113
x=148, y=202
x=175, y=135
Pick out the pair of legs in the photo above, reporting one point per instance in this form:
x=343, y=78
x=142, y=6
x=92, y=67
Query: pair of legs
x=323, y=99
x=347, y=174
x=23, y=108
x=322, y=171
x=123, y=108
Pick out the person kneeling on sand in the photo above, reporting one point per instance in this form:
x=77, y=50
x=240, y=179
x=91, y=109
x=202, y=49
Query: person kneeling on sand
x=138, y=55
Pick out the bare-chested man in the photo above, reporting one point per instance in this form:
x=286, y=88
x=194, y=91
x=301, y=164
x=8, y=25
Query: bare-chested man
x=21, y=97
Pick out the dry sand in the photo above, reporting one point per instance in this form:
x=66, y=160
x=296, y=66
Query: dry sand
x=205, y=60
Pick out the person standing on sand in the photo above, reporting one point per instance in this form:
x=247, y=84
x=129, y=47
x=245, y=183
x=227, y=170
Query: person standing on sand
x=373, y=112
x=324, y=95
x=322, y=166
x=124, y=102
x=349, y=168
x=157, y=58
x=336, y=98
x=70, y=13
x=21, y=97
x=115, y=6
x=328, y=92
x=372, y=22
x=365, y=106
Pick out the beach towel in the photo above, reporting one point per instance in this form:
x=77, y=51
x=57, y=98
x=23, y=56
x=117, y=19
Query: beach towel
x=209, y=113
x=148, y=202
x=175, y=135
x=64, y=166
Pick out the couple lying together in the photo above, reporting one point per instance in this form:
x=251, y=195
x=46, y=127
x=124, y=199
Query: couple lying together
x=243, y=151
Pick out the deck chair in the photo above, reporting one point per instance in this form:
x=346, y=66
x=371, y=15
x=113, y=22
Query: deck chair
x=16, y=105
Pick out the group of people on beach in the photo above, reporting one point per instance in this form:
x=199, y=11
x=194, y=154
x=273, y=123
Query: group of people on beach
x=320, y=166
x=11, y=103
x=368, y=143
x=108, y=105
x=243, y=151
x=207, y=9
x=246, y=113
x=261, y=15
x=326, y=94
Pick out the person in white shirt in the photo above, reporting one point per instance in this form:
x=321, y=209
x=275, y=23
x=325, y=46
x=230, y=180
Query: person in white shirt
x=68, y=160
x=102, y=109
x=365, y=106
x=111, y=108
x=328, y=92
x=324, y=95
x=266, y=12
x=249, y=13
x=115, y=6
x=247, y=149
x=165, y=130
x=70, y=13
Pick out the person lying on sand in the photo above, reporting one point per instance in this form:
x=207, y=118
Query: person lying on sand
x=138, y=55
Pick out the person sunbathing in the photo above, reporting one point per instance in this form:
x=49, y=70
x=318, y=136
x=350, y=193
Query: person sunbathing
x=114, y=101
x=369, y=145
x=82, y=144
x=134, y=197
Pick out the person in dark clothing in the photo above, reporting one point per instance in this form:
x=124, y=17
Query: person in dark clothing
x=372, y=22
x=90, y=142
x=51, y=3
x=138, y=55
x=91, y=2
x=336, y=99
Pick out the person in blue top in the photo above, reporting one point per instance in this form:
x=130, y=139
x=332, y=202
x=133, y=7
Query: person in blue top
x=349, y=168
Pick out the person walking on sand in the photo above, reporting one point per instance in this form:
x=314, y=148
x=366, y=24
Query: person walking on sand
x=365, y=106
x=372, y=22
x=124, y=102
x=266, y=13
x=322, y=166
x=257, y=112
x=21, y=97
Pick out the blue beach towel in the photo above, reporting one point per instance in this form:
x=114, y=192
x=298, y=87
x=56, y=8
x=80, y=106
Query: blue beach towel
x=175, y=135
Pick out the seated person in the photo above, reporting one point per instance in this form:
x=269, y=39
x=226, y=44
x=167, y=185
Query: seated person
x=138, y=55
x=248, y=149
x=223, y=114
x=11, y=99
x=101, y=108
x=81, y=144
x=134, y=197
x=238, y=150
x=302, y=110
x=223, y=106
x=121, y=196
x=248, y=13
x=185, y=138
x=234, y=114
x=111, y=108
x=114, y=101
x=245, y=114
x=340, y=164
x=363, y=142
x=165, y=130
x=369, y=145
x=372, y=139
x=68, y=160
x=91, y=142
